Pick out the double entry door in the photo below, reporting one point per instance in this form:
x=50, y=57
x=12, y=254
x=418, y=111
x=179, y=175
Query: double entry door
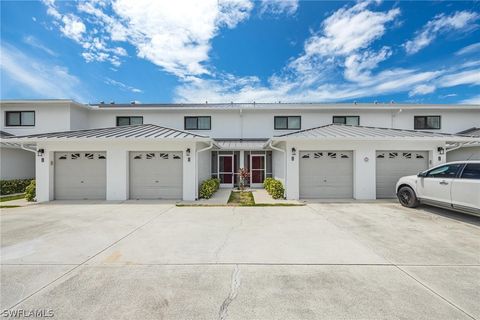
x=227, y=174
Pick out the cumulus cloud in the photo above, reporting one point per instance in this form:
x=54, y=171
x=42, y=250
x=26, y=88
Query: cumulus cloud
x=277, y=7
x=460, y=20
x=37, y=78
x=175, y=35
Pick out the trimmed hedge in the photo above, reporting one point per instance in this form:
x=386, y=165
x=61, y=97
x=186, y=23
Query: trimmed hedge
x=30, y=192
x=14, y=186
x=274, y=188
x=209, y=187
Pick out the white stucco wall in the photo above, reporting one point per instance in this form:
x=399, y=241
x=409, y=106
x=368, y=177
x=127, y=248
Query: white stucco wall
x=467, y=153
x=204, y=161
x=16, y=164
x=259, y=123
x=364, y=184
x=48, y=117
x=79, y=118
x=117, y=165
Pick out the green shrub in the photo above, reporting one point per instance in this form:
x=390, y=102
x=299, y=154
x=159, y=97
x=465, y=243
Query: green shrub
x=267, y=184
x=13, y=186
x=30, y=191
x=208, y=188
x=274, y=188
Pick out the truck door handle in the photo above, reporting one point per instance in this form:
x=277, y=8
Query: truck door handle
x=443, y=182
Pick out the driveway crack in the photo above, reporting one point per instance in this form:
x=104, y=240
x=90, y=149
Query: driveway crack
x=234, y=286
x=228, y=236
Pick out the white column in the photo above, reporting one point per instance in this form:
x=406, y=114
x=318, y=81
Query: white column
x=242, y=159
x=117, y=173
x=44, y=176
x=364, y=179
x=292, y=174
x=189, y=173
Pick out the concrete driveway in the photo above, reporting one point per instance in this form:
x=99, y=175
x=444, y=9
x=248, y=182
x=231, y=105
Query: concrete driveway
x=148, y=260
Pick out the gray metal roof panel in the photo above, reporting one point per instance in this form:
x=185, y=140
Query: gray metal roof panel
x=133, y=132
x=349, y=131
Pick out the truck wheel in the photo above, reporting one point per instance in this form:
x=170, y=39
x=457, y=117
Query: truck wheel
x=407, y=197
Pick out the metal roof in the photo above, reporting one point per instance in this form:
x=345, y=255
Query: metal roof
x=280, y=106
x=342, y=131
x=5, y=134
x=471, y=132
x=142, y=131
x=240, y=144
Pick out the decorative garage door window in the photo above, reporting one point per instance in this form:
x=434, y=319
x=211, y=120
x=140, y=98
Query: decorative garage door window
x=83, y=155
x=331, y=155
x=397, y=155
x=157, y=156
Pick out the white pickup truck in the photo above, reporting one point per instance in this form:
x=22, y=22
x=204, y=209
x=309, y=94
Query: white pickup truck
x=454, y=185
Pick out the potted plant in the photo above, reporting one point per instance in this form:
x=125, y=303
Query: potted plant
x=243, y=174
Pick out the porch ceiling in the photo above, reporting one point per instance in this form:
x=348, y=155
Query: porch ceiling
x=241, y=144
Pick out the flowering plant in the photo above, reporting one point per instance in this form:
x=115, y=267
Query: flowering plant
x=243, y=175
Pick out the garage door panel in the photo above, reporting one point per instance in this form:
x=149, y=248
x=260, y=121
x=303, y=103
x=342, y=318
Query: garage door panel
x=156, y=175
x=392, y=165
x=326, y=174
x=80, y=175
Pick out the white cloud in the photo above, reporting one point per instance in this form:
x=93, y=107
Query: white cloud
x=277, y=7
x=472, y=100
x=122, y=86
x=350, y=29
x=34, y=42
x=37, y=78
x=422, y=89
x=473, y=48
x=460, y=20
x=468, y=77
x=358, y=66
x=73, y=27
x=175, y=35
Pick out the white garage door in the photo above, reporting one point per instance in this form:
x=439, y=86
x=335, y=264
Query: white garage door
x=392, y=165
x=80, y=175
x=326, y=174
x=156, y=175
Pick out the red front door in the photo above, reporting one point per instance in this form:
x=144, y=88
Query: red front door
x=258, y=168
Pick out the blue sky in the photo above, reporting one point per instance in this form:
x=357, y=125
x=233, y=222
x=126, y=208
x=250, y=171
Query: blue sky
x=241, y=51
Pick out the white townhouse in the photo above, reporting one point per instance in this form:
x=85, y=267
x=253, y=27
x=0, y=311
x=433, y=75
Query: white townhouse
x=164, y=151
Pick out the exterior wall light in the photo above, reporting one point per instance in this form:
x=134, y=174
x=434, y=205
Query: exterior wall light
x=441, y=150
x=294, y=151
x=40, y=152
x=187, y=152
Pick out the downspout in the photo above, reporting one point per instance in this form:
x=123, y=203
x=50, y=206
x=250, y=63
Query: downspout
x=28, y=149
x=455, y=148
x=270, y=145
x=196, y=166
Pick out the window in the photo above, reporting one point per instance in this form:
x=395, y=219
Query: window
x=288, y=123
x=426, y=122
x=20, y=118
x=471, y=171
x=198, y=123
x=127, y=121
x=350, y=120
x=446, y=171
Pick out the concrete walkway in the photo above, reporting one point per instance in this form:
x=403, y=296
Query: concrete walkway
x=261, y=196
x=219, y=198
